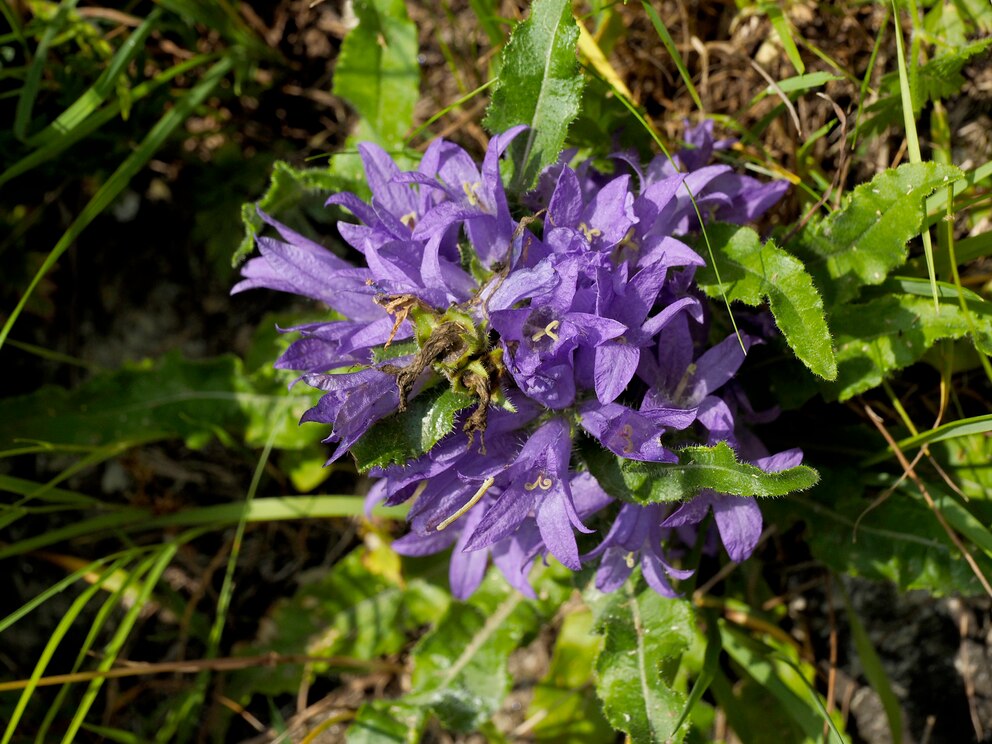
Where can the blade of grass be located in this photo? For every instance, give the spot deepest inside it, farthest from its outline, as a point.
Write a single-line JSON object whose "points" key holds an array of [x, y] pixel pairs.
{"points": [[180, 719], [155, 566], [51, 356], [123, 175], [58, 634], [956, 276], [117, 595], [912, 138], [35, 490], [866, 80], [873, 668], [89, 101], [937, 201], [275, 509], [111, 734], [50, 149], [77, 529], [50, 592], [25, 103], [784, 30], [17, 32], [666, 39], [262, 510], [960, 428], [797, 84], [962, 520], [974, 247]]}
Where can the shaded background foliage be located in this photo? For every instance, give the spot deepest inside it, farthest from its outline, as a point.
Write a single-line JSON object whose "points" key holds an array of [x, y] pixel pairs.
{"points": [[164, 396]]}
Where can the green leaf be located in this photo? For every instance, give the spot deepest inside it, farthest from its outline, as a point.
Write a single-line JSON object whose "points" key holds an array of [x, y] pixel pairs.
{"points": [[348, 611], [961, 428], [673, 52], [460, 666], [797, 84], [777, 675], [564, 702], [865, 239], [716, 468], [897, 540], [377, 70], [644, 635], [876, 338], [753, 272], [406, 435], [150, 401], [294, 195], [539, 85], [32, 83], [385, 722]]}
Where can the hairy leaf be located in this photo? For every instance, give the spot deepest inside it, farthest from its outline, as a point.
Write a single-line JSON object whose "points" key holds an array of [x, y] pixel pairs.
{"points": [[753, 272], [539, 85], [865, 239], [406, 435], [716, 468], [377, 70], [878, 337], [643, 634]]}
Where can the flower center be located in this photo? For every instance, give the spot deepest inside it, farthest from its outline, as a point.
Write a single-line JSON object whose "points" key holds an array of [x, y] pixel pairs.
{"points": [[409, 220]]}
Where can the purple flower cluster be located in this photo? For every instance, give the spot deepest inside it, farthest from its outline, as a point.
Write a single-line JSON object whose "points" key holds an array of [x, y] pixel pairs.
{"points": [[594, 329]]}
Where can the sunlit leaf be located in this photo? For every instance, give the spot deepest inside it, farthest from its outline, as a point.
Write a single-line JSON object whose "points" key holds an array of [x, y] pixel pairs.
{"points": [[865, 239], [539, 85], [644, 634], [753, 271], [716, 468], [377, 70]]}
